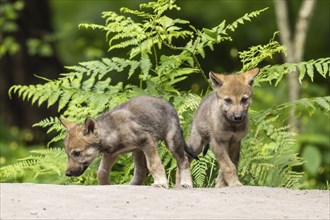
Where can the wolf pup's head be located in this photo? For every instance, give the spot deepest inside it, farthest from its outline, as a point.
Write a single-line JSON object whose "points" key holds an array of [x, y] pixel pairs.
{"points": [[81, 145], [234, 93]]}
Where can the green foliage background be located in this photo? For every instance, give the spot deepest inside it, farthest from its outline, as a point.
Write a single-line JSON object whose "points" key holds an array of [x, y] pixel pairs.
{"points": [[159, 53]]}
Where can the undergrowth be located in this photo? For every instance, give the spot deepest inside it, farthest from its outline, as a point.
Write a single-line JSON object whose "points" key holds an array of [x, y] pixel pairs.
{"points": [[87, 89]]}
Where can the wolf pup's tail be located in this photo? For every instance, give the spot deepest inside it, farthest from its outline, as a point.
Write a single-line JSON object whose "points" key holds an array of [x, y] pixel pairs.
{"points": [[190, 152]]}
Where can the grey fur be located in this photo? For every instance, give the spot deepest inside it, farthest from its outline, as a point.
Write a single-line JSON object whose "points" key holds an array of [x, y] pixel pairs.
{"points": [[221, 122], [135, 126]]}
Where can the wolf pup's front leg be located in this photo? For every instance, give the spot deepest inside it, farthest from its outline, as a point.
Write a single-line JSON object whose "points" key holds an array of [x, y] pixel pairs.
{"points": [[140, 168], [105, 166], [227, 175]]}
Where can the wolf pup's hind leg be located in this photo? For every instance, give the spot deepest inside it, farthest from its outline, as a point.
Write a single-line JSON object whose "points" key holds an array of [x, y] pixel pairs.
{"points": [[154, 164], [176, 144]]}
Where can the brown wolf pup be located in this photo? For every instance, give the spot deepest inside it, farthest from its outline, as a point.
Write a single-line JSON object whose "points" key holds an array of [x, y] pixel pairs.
{"points": [[221, 122], [134, 126]]}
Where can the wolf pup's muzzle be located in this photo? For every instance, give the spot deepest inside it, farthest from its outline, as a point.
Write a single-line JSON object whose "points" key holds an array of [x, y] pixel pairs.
{"points": [[238, 117], [76, 171]]}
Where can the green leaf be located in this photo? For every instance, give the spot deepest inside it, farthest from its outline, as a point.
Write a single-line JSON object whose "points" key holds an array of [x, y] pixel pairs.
{"points": [[64, 100], [310, 72], [313, 158], [53, 98], [165, 22], [212, 34], [145, 65]]}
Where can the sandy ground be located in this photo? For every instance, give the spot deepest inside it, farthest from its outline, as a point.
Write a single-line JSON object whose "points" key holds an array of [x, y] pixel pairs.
{"points": [[32, 201]]}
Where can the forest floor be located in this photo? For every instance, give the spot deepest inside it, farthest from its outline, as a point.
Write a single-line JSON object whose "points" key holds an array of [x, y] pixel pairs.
{"points": [[36, 201]]}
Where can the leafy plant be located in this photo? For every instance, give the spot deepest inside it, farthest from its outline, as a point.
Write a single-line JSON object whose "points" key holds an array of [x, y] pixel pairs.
{"points": [[162, 52]]}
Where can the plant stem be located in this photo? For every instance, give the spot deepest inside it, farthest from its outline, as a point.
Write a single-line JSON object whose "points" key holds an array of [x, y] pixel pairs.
{"points": [[194, 57]]}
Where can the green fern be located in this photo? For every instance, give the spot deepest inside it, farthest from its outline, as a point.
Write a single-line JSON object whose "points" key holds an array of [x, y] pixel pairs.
{"points": [[47, 166], [87, 89], [123, 170], [169, 163], [246, 17], [205, 171], [256, 54], [41, 162], [267, 157], [302, 106], [208, 37], [84, 92], [306, 68]]}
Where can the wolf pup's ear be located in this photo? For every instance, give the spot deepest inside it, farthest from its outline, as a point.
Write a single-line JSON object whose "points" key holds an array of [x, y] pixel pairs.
{"points": [[90, 126], [215, 79], [67, 124], [250, 75]]}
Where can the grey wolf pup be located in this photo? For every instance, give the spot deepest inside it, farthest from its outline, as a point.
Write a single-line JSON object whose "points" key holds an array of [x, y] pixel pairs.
{"points": [[221, 121], [134, 126]]}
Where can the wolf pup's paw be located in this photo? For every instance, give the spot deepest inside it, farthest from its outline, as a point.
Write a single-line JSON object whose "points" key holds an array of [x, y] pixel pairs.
{"points": [[160, 185], [220, 184], [238, 183], [185, 186]]}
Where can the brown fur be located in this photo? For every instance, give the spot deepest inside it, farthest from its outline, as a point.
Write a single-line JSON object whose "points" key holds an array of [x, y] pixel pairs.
{"points": [[134, 126], [221, 122]]}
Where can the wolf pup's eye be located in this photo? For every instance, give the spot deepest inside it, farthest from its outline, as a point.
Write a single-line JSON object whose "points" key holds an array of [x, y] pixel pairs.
{"points": [[228, 101], [244, 100], [76, 153]]}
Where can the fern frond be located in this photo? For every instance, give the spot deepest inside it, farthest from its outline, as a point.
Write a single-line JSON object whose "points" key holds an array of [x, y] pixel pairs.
{"points": [[123, 170], [309, 105], [160, 6], [311, 67], [204, 170], [264, 161], [47, 162], [84, 92], [267, 156], [209, 37], [256, 54], [40, 162], [92, 26], [247, 17], [53, 124], [188, 102]]}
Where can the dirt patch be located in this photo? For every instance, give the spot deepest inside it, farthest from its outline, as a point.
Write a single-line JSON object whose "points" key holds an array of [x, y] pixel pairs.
{"points": [[35, 201]]}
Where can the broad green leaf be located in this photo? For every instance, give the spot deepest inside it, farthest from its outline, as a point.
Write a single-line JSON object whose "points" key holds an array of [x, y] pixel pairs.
{"points": [[313, 158]]}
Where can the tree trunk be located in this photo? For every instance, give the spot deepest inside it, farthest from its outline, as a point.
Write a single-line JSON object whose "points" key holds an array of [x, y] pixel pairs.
{"points": [[295, 43]]}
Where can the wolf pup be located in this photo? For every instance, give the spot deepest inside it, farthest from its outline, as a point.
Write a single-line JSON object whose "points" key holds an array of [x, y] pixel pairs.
{"points": [[134, 126], [221, 122]]}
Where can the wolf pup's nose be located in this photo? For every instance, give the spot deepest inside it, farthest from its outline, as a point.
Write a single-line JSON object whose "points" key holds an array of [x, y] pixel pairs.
{"points": [[238, 118], [68, 173]]}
